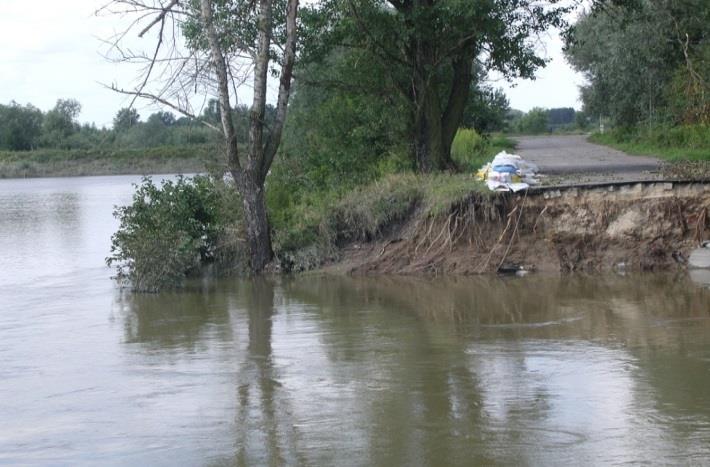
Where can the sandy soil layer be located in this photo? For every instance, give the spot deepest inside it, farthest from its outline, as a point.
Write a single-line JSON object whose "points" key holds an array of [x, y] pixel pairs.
{"points": [[639, 226]]}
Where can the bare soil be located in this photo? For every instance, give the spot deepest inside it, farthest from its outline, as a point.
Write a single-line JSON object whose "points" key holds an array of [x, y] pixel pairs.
{"points": [[638, 226]]}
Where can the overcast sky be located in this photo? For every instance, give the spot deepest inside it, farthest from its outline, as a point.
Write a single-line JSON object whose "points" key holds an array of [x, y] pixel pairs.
{"points": [[53, 50]]}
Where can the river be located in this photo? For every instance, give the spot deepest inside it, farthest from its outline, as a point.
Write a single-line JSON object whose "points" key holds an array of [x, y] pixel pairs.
{"points": [[319, 370]]}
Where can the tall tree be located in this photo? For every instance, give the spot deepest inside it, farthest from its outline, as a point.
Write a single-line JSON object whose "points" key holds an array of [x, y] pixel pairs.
{"points": [[125, 118], [644, 61], [20, 126], [429, 48], [60, 122], [223, 39]]}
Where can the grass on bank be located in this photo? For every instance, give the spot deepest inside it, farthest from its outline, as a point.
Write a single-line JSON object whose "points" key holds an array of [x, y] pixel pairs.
{"points": [[365, 213], [58, 162], [673, 144]]}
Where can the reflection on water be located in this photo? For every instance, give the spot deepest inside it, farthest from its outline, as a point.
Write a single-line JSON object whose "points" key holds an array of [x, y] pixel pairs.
{"points": [[337, 370], [455, 371]]}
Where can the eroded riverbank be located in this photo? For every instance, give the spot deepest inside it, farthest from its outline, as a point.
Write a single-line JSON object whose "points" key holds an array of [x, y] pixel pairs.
{"points": [[637, 226]]}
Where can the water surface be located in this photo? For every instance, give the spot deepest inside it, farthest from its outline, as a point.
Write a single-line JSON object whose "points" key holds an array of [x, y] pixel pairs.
{"points": [[332, 370]]}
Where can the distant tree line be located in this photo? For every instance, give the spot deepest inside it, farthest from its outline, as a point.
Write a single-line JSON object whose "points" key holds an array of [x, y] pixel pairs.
{"points": [[539, 120], [25, 128]]}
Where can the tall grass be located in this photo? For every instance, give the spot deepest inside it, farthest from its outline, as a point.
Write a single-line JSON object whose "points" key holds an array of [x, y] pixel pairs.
{"points": [[672, 143], [470, 150], [367, 212]]}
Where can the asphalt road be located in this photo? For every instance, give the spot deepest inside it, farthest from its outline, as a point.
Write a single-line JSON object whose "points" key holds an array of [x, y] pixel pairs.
{"points": [[572, 155]]}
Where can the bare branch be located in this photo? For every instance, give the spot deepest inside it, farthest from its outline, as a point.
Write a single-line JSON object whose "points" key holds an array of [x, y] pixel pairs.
{"points": [[223, 86], [165, 102], [159, 19], [289, 59], [155, 55]]}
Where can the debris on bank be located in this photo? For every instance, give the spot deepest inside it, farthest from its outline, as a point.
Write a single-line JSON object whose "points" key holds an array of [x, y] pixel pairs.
{"points": [[508, 172]]}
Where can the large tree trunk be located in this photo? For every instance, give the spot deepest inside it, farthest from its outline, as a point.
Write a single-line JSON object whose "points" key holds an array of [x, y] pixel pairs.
{"points": [[432, 151], [257, 223], [435, 125]]}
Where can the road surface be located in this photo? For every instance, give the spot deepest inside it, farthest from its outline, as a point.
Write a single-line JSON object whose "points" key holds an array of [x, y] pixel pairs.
{"points": [[572, 157]]}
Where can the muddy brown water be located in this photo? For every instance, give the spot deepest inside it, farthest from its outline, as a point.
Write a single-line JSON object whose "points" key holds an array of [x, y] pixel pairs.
{"points": [[539, 370]]}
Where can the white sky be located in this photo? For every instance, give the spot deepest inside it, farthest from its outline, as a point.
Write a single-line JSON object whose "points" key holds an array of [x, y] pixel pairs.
{"points": [[556, 85], [51, 49]]}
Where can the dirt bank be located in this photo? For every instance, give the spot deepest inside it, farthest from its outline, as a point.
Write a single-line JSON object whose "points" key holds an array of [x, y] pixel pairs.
{"points": [[641, 226]]}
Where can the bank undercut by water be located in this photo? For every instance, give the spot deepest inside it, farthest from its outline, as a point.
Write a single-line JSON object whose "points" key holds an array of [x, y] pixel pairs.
{"points": [[651, 226]]}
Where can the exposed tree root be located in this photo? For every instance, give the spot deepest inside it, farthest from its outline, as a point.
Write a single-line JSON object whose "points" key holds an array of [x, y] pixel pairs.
{"points": [[647, 227]]}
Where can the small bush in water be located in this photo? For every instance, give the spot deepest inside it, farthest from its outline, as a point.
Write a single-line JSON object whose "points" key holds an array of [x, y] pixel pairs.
{"points": [[170, 231]]}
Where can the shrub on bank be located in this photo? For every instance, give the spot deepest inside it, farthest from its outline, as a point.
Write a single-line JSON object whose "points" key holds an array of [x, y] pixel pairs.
{"points": [[470, 150], [467, 145], [173, 230]]}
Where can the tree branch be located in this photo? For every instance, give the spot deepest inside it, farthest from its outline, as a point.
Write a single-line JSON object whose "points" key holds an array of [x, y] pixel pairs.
{"points": [[160, 18], [223, 87], [258, 106], [165, 102], [289, 59]]}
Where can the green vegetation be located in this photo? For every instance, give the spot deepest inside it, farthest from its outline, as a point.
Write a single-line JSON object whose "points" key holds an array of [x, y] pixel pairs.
{"points": [[426, 58], [389, 104], [37, 144], [173, 230], [26, 128], [363, 213], [470, 150], [647, 62], [679, 143], [648, 69], [63, 162], [538, 121], [381, 93]]}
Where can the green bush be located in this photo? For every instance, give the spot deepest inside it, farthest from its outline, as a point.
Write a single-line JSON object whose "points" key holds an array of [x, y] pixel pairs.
{"points": [[467, 146], [172, 230], [470, 150]]}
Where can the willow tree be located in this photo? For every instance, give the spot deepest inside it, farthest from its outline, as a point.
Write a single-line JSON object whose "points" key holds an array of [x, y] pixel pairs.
{"points": [[431, 49], [645, 62], [210, 48]]}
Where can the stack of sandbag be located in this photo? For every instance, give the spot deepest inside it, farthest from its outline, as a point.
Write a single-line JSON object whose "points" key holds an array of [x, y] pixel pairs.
{"points": [[508, 172]]}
